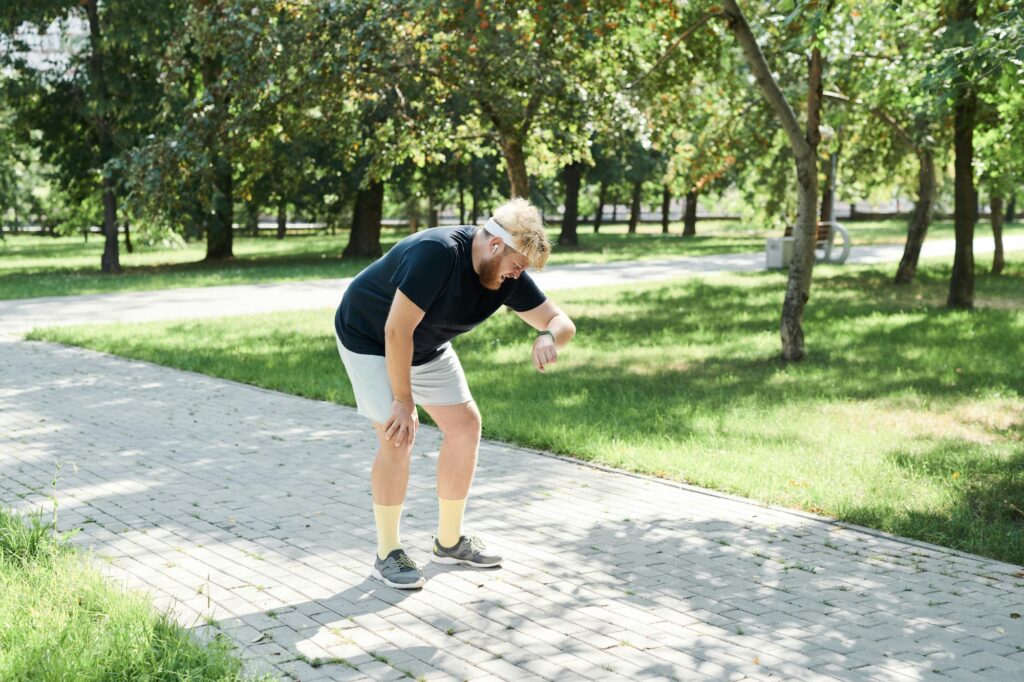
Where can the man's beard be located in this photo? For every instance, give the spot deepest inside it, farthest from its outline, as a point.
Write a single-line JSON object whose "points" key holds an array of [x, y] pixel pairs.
{"points": [[489, 275]]}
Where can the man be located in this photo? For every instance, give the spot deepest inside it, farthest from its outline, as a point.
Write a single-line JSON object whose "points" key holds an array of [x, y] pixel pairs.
{"points": [[394, 326]]}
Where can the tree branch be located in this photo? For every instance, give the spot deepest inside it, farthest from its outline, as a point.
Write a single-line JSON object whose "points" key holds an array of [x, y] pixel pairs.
{"points": [[686, 34], [531, 110], [881, 114], [737, 23]]}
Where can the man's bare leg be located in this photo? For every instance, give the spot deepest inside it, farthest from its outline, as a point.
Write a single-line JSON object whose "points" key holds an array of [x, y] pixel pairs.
{"points": [[456, 464], [389, 479]]}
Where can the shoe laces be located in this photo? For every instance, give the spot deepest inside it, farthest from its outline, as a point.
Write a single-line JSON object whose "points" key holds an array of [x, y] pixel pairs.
{"points": [[404, 561], [475, 543]]}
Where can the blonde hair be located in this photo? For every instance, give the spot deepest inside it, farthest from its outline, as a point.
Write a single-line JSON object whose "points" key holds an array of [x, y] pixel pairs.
{"points": [[521, 219]]}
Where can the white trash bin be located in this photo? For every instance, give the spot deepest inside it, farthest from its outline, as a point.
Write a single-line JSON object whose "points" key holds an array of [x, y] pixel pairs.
{"points": [[778, 253]]}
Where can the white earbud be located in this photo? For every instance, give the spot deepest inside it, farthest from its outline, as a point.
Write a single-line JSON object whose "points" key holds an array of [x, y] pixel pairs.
{"points": [[494, 250]]}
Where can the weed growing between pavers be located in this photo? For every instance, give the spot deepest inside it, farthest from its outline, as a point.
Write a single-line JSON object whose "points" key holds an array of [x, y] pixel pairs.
{"points": [[906, 416], [63, 621]]}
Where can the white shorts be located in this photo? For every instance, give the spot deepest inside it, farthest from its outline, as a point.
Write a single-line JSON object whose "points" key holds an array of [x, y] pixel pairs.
{"points": [[439, 382]]}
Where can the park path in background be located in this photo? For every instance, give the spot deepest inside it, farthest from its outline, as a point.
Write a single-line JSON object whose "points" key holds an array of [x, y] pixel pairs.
{"points": [[22, 315], [248, 512]]}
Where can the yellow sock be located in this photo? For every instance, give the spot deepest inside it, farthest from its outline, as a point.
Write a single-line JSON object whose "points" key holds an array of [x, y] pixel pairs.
{"points": [[449, 521], [387, 519]]}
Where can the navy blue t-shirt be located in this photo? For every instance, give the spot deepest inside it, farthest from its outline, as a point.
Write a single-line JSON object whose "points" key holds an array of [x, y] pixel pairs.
{"points": [[434, 268]]}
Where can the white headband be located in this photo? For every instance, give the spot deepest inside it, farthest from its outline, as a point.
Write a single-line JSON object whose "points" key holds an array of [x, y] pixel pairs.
{"points": [[497, 230]]}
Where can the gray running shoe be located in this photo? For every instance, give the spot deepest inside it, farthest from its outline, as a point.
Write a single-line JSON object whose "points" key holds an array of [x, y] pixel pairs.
{"points": [[468, 550], [398, 570]]}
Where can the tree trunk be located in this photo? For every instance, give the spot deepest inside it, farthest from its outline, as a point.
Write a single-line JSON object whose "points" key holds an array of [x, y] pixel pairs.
{"points": [[364, 241], [666, 200], [998, 262], [961, 284], [110, 261], [799, 283], [1011, 209], [804, 144], [634, 207], [828, 194], [282, 217], [798, 289], [690, 217], [219, 230], [219, 224], [602, 193], [433, 214], [515, 162], [252, 218], [921, 218], [474, 201], [462, 202], [128, 237], [570, 219]]}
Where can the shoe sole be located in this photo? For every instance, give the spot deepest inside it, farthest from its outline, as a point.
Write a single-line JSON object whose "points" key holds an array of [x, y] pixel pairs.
{"points": [[399, 586], [465, 562]]}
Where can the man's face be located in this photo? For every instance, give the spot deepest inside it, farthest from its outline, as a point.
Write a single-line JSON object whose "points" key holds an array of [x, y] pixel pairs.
{"points": [[501, 266]]}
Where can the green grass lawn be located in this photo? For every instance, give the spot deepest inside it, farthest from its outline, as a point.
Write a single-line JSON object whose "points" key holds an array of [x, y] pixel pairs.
{"points": [[905, 417], [61, 620], [41, 266], [33, 266]]}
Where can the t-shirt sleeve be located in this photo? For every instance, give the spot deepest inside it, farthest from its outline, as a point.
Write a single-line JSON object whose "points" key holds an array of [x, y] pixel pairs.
{"points": [[423, 272], [526, 295]]}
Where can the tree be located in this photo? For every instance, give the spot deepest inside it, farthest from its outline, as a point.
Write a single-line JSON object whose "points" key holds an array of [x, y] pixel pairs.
{"points": [[16, 163], [607, 172], [572, 176], [690, 99], [961, 17], [920, 141], [110, 84], [509, 67], [1000, 137], [884, 111], [804, 144], [979, 44]]}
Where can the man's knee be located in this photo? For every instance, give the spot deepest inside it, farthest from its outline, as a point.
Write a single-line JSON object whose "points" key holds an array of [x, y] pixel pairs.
{"points": [[465, 424], [395, 454], [389, 450]]}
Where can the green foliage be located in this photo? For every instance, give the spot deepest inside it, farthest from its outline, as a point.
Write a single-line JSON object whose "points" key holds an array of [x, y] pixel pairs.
{"points": [[313, 100], [999, 139]]}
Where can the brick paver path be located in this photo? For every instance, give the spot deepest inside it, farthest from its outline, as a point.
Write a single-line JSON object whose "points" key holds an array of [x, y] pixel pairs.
{"points": [[248, 512]]}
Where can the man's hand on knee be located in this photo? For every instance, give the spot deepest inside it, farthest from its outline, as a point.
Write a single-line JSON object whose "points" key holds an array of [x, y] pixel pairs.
{"points": [[400, 429]]}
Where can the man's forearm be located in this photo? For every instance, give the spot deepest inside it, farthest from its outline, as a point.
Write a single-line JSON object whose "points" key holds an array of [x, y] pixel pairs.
{"points": [[398, 355], [562, 328]]}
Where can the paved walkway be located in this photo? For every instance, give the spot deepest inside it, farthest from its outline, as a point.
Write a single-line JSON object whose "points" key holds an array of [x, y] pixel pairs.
{"points": [[20, 316], [248, 512]]}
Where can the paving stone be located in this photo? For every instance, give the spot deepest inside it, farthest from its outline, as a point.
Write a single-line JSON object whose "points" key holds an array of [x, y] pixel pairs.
{"points": [[559, 609]]}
